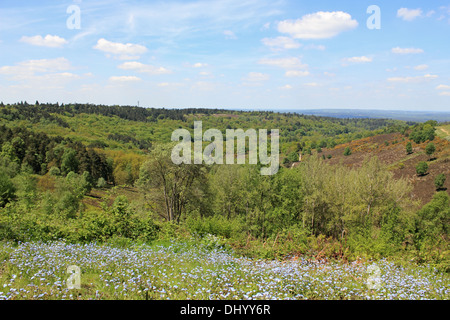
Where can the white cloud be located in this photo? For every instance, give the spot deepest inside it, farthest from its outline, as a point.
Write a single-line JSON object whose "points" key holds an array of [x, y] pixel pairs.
{"points": [[203, 86], [143, 68], [287, 87], [285, 63], [312, 84], [443, 87], [399, 50], [199, 65], [124, 79], [421, 67], [28, 69], [426, 77], [229, 34], [362, 59], [293, 66], [297, 73], [127, 51], [445, 93], [430, 13], [256, 77], [409, 14], [281, 43], [47, 41], [315, 47], [319, 25]]}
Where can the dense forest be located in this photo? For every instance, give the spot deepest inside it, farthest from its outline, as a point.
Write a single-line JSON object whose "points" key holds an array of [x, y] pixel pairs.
{"points": [[93, 173]]}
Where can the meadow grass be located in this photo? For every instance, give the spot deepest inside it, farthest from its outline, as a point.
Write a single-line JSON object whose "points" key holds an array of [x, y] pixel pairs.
{"points": [[188, 270]]}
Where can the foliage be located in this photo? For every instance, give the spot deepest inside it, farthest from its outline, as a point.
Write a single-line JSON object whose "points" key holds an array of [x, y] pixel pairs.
{"points": [[101, 183], [430, 149], [423, 132], [439, 181], [172, 187], [314, 209], [7, 189], [432, 231], [422, 168], [409, 148], [39, 151]]}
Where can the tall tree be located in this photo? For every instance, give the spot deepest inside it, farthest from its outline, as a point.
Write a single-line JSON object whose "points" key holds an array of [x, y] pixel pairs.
{"points": [[171, 187]]}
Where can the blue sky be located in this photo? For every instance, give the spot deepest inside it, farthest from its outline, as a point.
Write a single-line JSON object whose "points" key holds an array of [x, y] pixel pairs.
{"points": [[238, 54]]}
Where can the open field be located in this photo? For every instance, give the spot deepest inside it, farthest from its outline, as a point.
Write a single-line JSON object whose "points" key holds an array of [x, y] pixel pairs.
{"points": [[444, 132], [38, 271]]}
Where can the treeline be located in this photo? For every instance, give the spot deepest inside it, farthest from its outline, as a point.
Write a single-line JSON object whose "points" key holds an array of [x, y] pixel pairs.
{"points": [[23, 110], [37, 153], [292, 121], [32, 113]]}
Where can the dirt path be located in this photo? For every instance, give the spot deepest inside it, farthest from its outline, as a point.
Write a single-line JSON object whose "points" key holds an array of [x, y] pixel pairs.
{"points": [[445, 131]]}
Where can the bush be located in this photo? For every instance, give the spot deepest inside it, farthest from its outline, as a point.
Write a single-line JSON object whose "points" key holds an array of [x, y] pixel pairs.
{"points": [[430, 149], [54, 171], [101, 183], [347, 151], [7, 189], [422, 168], [216, 225], [432, 226], [409, 148], [439, 181]]}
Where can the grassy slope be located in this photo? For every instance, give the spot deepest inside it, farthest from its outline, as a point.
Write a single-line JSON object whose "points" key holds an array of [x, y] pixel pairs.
{"points": [[390, 149], [444, 132]]}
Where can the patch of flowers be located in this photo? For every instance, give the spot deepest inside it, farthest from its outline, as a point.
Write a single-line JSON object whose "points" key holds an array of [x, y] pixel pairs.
{"points": [[203, 271]]}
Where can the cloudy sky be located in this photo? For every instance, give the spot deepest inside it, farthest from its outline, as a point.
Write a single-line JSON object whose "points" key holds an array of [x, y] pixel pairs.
{"points": [[241, 54]]}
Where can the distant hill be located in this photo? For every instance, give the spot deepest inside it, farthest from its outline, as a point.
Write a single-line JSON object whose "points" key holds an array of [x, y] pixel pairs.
{"points": [[415, 116]]}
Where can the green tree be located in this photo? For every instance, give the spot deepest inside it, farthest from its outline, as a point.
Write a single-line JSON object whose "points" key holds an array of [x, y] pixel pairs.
{"points": [[171, 187], [434, 218], [430, 149], [440, 181], [7, 189], [347, 151], [101, 183], [409, 148], [422, 168], [122, 212], [54, 171], [69, 161]]}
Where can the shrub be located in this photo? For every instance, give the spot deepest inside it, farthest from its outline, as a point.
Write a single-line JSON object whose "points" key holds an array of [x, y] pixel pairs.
{"points": [[101, 183], [409, 148], [433, 218], [54, 171], [7, 189], [347, 151], [422, 168], [439, 181], [216, 225], [430, 149]]}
